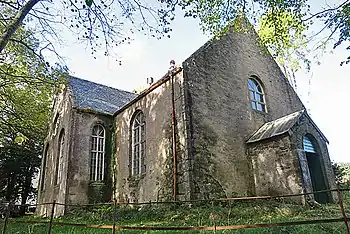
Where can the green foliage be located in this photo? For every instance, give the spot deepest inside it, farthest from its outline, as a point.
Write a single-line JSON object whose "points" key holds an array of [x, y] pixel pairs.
{"points": [[102, 25], [89, 2], [109, 23], [346, 169], [27, 84], [199, 214], [339, 21], [283, 33], [18, 165], [283, 26], [339, 172]]}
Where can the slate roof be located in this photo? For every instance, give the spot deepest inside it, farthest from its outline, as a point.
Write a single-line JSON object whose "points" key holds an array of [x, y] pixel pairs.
{"points": [[101, 98], [281, 126]]}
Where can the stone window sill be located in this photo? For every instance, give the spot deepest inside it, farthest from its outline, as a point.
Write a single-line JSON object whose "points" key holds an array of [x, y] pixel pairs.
{"points": [[260, 112], [96, 183]]}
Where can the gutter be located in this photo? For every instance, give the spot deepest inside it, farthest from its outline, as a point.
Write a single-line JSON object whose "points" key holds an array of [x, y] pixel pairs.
{"points": [[90, 111]]}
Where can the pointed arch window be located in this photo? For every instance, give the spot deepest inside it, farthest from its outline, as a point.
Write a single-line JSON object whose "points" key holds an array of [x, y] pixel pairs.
{"points": [[256, 95], [55, 124], [43, 169], [59, 159], [97, 154], [138, 144]]}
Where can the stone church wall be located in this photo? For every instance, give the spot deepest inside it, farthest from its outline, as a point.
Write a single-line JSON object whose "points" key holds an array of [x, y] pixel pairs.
{"points": [[80, 189], [74, 186], [275, 167], [156, 183], [221, 117], [306, 127], [61, 121]]}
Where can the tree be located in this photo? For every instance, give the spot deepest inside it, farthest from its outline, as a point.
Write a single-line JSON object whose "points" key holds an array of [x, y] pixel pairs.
{"points": [[27, 84], [98, 23], [19, 165], [339, 172], [283, 25], [294, 34]]}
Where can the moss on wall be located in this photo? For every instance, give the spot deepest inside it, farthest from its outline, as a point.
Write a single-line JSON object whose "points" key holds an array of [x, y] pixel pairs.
{"points": [[205, 168], [166, 181], [96, 192]]}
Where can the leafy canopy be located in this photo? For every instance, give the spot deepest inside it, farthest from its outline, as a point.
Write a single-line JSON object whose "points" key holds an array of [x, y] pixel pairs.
{"points": [[27, 84], [285, 26]]}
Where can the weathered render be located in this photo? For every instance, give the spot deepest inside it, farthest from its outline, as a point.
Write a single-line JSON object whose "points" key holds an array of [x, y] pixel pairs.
{"points": [[279, 161], [49, 190], [76, 110], [222, 118], [240, 129], [156, 183]]}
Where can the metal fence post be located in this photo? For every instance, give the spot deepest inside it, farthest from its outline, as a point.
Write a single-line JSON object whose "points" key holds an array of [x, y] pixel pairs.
{"points": [[114, 215], [51, 216], [340, 198], [6, 218]]}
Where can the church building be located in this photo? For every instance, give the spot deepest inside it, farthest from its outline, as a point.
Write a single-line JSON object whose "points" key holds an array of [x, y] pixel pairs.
{"points": [[226, 123]]}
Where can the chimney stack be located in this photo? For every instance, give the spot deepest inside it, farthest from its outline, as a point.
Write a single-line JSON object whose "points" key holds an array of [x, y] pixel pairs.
{"points": [[150, 80], [172, 65]]}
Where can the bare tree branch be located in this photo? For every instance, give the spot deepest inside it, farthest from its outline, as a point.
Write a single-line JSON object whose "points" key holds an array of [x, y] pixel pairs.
{"points": [[326, 10], [17, 21]]}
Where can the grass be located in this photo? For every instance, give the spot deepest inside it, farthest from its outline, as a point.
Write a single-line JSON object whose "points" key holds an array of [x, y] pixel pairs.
{"points": [[219, 213]]}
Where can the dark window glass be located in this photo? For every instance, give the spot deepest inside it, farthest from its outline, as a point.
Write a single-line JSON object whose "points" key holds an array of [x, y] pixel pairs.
{"points": [[256, 95], [138, 144], [97, 154]]}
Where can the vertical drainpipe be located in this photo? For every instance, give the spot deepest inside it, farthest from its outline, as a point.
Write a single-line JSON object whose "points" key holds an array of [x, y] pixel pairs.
{"points": [[173, 122]]}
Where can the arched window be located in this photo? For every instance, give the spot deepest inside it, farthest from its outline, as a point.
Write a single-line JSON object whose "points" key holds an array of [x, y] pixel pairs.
{"points": [[43, 169], [55, 124], [256, 95], [97, 156], [138, 144], [59, 158]]}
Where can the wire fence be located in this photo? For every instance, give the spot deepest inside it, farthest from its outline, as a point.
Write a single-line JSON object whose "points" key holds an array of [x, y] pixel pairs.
{"points": [[115, 210]]}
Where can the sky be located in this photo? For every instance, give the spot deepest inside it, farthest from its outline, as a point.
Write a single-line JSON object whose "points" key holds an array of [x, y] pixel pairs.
{"points": [[324, 90]]}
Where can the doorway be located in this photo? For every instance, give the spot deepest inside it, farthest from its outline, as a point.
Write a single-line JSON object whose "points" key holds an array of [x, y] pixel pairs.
{"points": [[314, 162]]}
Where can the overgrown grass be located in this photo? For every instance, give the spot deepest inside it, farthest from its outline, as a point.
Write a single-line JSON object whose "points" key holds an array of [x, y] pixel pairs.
{"points": [[197, 214]]}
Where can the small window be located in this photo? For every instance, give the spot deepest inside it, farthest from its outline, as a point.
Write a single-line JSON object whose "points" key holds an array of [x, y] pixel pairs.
{"points": [[97, 155], [308, 145], [59, 158], [43, 169], [138, 144], [256, 95], [55, 124]]}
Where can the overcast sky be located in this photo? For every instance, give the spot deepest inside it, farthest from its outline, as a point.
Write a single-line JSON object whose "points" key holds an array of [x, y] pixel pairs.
{"points": [[146, 57]]}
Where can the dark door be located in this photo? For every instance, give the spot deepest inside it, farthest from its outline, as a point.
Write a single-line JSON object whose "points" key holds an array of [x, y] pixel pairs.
{"points": [[317, 177], [314, 161]]}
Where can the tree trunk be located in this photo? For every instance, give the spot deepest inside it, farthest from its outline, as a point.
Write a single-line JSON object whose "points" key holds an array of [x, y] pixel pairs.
{"points": [[16, 22], [25, 190], [11, 182]]}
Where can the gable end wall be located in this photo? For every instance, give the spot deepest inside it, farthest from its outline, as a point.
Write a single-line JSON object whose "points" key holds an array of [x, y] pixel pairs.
{"points": [[221, 115]]}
